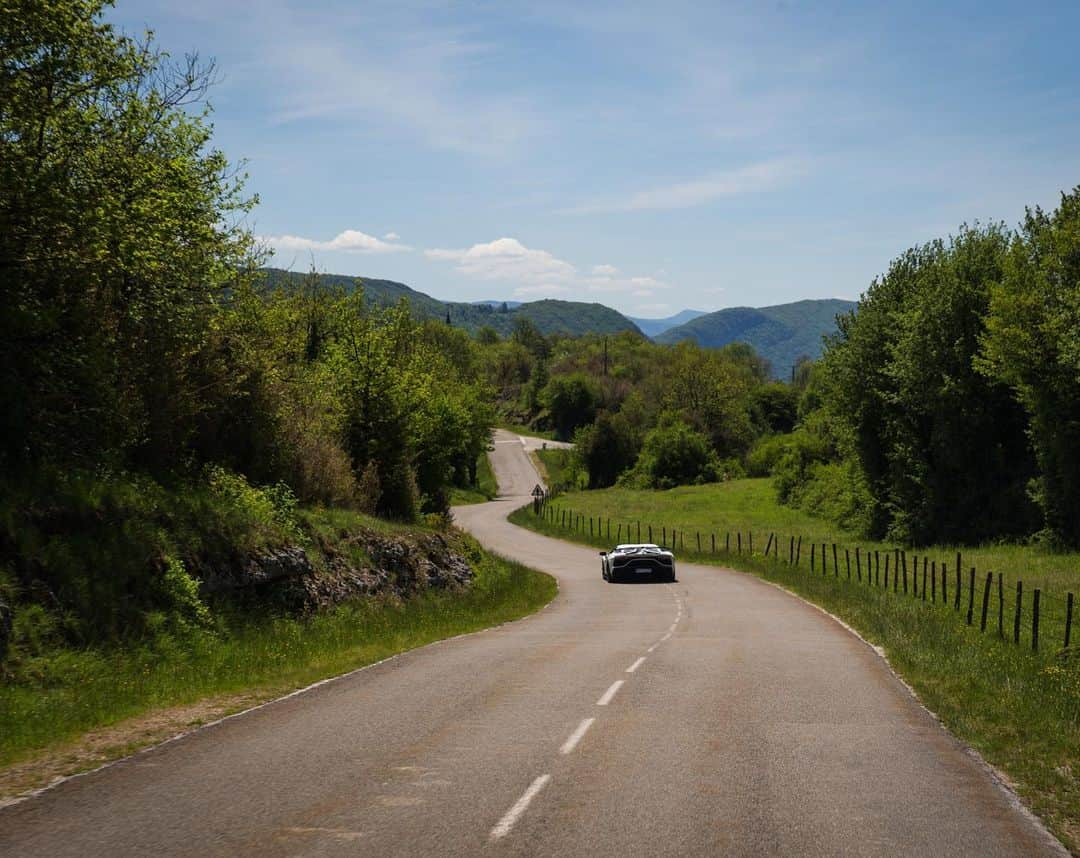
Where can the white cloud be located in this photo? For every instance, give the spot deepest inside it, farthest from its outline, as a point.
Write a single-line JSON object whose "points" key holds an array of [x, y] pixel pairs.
{"points": [[391, 236], [349, 241], [507, 259], [541, 274], [752, 178]]}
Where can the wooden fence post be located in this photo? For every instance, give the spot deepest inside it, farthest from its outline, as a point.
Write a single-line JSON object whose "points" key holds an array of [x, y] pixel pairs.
{"points": [[1068, 618], [664, 543], [1016, 613], [858, 564], [727, 542], [971, 597], [713, 536], [750, 542], [924, 579], [698, 534], [933, 581], [1035, 620], [847, 561], [650, 534], [798, 551], [986, 600], [813, 553], [638, 533], [915, 576], [791, 551], [835, 564], [886, 571], [944, 584], [877, 568], [738, 537], [768, 545], [1001, 605], [618, 536], [903, 559], [959, 587]]}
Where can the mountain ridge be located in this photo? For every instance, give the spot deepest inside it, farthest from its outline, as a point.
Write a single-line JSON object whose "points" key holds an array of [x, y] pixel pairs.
{"points": [[781, 333], [551, 316]]}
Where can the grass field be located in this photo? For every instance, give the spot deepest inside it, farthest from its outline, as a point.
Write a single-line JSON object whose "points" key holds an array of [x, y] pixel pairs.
{"points": [[553, 465], [1021, 710], [79, 690], [749, 507], [485, 489]]}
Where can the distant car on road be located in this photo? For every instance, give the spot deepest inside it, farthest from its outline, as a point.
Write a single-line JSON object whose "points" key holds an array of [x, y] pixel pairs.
{"points": [[626, 562]]}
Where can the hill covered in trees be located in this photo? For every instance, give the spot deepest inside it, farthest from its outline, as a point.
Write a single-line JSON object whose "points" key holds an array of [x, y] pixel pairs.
{"points": [[572, 318], [781, 334]]}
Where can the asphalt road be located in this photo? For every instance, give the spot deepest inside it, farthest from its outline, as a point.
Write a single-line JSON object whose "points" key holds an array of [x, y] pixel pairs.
{"points": [[715, 716]]}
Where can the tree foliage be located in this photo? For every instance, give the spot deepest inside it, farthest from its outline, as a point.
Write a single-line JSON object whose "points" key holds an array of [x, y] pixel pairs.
{"points": [[1032, 343], [942, 446]]}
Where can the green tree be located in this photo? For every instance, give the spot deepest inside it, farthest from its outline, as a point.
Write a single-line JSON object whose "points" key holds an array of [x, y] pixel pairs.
{"points": [[120, 228], [1032, 343], [674, 454], [942, 447], [572, 402], [606, 448]]}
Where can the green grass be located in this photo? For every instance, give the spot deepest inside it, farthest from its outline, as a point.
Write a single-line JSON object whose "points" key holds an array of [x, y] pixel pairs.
{"points": [[1021, 710], [554, 464], [749, 506], [486, 487], [522, 429], [69, 692]]}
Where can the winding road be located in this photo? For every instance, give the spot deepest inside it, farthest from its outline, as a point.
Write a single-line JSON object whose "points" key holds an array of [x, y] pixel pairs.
{"points": [[715, 716]]}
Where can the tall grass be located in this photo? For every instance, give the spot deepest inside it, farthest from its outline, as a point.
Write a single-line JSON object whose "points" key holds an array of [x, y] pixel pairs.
{"points": [[67, 692]]}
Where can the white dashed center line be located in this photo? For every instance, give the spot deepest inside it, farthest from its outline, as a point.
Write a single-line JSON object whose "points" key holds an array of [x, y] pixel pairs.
{"points": [[610, 693], [576, 736], [636, 665], [505, 824]]}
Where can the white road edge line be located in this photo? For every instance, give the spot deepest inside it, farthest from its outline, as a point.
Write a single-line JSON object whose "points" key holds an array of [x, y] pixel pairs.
{"points": [[636, 665], [654, 646], [611, 692], [505, 824], [576, 736]]}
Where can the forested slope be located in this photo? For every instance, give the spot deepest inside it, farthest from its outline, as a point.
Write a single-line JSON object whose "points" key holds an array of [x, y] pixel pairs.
{"points": [[781, 334], [550, 316]]}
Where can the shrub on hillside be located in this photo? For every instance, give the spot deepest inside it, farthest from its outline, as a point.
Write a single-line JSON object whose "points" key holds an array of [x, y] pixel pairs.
{"points": [[674, 454]]}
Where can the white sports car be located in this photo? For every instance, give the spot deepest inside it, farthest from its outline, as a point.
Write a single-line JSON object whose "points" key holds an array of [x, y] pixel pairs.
{"points": [[637, 561]]}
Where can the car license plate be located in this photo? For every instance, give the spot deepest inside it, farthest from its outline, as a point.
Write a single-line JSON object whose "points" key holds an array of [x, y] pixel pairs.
{"points": [[643, 570]]}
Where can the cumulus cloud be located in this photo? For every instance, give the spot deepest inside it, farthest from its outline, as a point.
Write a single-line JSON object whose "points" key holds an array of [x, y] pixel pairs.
{"points": [[391, 236], [507, 259], [349, 241], [540, 274]]}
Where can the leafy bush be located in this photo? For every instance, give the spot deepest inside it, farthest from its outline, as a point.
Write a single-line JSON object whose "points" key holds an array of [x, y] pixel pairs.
{"points": [[673, 454]]}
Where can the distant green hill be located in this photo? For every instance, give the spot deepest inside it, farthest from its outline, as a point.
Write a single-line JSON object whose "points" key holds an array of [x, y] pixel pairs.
{"points": [[781, 334], [573, 318]]}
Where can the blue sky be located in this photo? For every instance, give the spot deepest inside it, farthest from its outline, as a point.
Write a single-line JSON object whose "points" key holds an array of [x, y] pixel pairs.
{"points": [[651, 156]]}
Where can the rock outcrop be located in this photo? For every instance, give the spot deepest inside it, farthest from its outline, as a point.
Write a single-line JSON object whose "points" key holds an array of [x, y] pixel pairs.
{"points": [[396, 565]]}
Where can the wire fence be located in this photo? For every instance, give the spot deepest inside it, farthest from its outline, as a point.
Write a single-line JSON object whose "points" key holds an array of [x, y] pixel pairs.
{"points": [[1028, 617]]}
